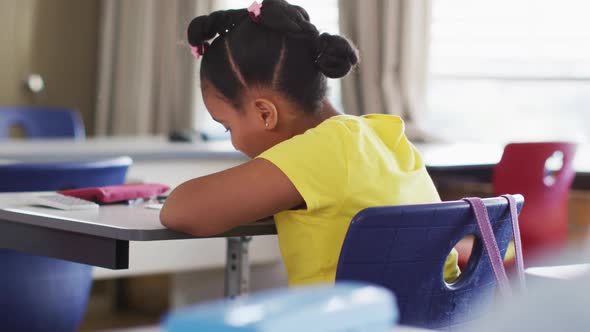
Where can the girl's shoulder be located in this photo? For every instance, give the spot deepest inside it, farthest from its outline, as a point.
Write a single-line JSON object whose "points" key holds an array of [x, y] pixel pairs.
{"points": [[362, 125], [361, 120], [344, 132]]}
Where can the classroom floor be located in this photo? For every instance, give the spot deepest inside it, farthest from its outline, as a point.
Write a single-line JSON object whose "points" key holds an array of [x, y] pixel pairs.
{"points": [[120, 320], [143, 300], [115, 304]]}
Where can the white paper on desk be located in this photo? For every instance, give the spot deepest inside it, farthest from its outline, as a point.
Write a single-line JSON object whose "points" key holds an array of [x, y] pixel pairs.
{"points": [[154, 206]]}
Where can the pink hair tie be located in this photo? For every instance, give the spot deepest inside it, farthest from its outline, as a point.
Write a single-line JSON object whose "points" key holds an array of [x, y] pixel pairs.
{"points": [[199, 50], [254, 11]]}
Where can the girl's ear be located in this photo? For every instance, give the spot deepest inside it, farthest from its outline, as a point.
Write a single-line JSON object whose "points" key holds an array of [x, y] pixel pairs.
{"points": [[267, 113]]}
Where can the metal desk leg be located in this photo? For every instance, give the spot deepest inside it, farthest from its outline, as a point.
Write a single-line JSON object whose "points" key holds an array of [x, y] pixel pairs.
{"points": [[237, 268]]}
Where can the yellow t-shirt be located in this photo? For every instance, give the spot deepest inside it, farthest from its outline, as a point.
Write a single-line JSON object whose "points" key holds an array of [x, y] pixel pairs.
{"points": [[344, 165]]}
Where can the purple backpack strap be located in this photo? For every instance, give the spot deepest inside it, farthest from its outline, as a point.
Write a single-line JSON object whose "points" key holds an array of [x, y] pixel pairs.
{"points": [[517, 243], [490, 244]]}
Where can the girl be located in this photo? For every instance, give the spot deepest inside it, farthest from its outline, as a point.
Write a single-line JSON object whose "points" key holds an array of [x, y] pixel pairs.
{"points": [[263, 77]]}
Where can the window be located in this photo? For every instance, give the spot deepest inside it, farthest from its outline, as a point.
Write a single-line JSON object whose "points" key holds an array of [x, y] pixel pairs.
{"points": [[510, 70], [324, 14]]}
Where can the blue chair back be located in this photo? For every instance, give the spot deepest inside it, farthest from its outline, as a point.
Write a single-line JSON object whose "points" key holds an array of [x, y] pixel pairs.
{"points": [[41, 122], [351, 307], [41, 293], [58, 175], [404, 248]]}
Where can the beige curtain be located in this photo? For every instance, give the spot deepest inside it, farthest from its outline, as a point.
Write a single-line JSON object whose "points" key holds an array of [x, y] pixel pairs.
{"points": [[393, 38], [146, 80]]}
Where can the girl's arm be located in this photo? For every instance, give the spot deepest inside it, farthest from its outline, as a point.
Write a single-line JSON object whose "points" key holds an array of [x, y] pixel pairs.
{"points": [[215, 203]]}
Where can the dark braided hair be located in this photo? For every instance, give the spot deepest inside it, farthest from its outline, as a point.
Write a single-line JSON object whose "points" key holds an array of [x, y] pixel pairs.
{"points": [[282, 50]]}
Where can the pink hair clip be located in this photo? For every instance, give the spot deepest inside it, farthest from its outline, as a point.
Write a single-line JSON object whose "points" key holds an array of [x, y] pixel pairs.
{"points": [[254, 11], [198, 51]]}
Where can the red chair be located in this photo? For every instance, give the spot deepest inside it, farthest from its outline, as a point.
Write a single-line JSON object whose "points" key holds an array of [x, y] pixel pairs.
{"points": [[543, 173]]}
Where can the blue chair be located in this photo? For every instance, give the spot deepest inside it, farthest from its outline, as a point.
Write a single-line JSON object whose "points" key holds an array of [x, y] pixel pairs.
{"points": [[41, 122], [351, 307], [404, 248], [40, 293], [52, 176]]}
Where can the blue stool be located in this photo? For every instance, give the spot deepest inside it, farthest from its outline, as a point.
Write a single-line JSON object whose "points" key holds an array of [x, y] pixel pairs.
{"points": [[350, 307], [404, 249], [40, 293], [58, 175], [42, 122]]}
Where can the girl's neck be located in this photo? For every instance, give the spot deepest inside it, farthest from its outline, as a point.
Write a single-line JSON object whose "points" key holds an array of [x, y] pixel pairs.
{"points": [[307, 121]]}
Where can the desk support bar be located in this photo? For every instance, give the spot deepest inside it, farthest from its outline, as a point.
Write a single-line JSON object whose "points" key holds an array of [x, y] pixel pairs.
{"points": [[91, 250], [237, 268]]}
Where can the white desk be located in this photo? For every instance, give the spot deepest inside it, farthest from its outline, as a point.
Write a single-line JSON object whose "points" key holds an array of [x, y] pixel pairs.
{"points": [[476, 161], [458, 155], [148, 148], [159, 148], [101, 237], [155, 159]]}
